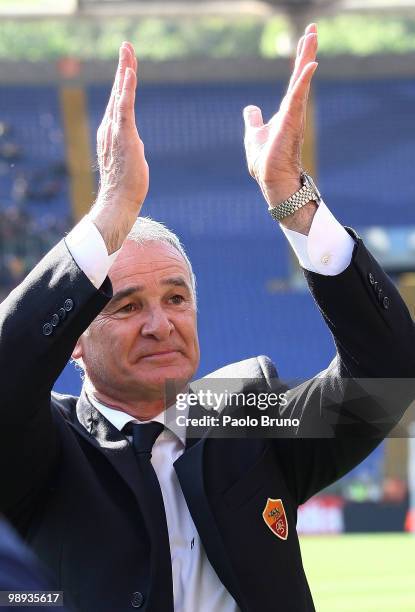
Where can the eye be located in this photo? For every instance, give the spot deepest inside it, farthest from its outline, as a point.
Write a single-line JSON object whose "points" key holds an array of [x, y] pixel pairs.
{"points": [[127, 308], [177, 299]]}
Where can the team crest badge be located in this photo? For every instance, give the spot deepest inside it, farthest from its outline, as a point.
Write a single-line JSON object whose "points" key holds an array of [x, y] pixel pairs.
{"points": [[275, 518]]}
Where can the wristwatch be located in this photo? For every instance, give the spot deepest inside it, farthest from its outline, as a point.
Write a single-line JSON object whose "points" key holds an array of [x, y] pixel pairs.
{"points": [[307, 193]]}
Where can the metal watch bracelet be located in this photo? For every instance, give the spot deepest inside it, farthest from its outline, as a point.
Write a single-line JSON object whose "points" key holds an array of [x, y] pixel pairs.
{"points": [[300, 198]]}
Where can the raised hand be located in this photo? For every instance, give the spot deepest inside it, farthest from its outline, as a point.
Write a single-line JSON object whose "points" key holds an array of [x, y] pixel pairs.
{"points": [[273, 149], [124, 174]]}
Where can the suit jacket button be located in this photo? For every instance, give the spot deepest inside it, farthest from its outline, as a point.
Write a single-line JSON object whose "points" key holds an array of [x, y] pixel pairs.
{"points": [[68, 305], [380, 293], [375, 285], [61, 313], [47, 329], [386, 302], [55, 320], [371, 278], [137, 599]]}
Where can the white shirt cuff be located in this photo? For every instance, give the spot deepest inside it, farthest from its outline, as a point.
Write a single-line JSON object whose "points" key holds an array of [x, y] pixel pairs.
{"points": [[87, 247], [327, 249]]}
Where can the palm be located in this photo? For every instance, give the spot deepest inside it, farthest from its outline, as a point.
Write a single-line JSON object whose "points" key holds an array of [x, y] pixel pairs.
{"points": [[272, 154]]}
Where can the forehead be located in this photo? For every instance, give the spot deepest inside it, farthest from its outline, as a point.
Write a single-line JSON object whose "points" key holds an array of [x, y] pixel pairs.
{"points": [[147, 263]]}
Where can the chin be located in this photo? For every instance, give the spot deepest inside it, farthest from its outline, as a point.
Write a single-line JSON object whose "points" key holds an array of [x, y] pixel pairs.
{"points": [[158, 378]]}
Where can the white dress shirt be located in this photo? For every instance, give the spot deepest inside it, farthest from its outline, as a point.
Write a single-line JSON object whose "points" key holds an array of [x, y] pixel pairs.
{"points": [[326, 250]]}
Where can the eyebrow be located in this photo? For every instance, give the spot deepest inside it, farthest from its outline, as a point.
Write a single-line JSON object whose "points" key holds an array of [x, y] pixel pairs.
{"points": [[174, 281]]}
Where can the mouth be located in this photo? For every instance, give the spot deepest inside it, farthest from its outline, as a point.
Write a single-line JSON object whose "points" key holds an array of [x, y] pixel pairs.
{"points": [[161, 355]]}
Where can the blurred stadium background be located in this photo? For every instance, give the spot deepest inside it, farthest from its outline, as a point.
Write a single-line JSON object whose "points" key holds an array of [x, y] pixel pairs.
{"points": [[202, 63]]}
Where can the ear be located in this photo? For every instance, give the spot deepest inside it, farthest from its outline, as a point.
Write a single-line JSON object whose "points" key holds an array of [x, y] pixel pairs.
{"points": [[77, 353]]}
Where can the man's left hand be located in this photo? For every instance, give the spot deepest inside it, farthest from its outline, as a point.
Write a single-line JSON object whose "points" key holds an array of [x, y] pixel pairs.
{"points": [[273, 149]]}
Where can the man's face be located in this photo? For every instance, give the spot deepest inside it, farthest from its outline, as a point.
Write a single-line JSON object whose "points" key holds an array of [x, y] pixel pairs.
{"points": [[147, 333]]}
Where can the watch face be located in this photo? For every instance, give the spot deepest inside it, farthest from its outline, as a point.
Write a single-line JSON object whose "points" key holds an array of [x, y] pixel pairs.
{"points": [[310, 183]]}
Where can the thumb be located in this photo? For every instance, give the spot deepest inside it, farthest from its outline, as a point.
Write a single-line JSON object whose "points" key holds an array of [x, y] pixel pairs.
{"points": [[253, 117]]}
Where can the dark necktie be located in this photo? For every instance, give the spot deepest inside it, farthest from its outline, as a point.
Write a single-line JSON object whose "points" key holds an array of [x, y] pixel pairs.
{"points": [[144, 436], [161, 583]]}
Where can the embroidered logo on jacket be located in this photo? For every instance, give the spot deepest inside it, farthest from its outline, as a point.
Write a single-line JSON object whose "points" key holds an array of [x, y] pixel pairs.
{"points": [[275, 518]]}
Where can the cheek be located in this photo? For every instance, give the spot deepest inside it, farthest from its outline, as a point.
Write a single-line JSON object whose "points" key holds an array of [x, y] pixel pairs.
{"points": [[189, 329], [109, 339]]}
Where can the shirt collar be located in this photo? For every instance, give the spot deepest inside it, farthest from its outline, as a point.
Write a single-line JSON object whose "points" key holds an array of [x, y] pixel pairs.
{"points": [[119, 419]]}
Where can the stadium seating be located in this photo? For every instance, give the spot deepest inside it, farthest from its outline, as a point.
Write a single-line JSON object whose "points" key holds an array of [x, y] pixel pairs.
{"points": [[33, 115], [34, 193], [200, 188], [365, 150]]}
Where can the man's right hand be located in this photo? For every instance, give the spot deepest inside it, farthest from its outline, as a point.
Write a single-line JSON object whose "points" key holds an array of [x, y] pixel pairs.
{"points": [[124, 174]]}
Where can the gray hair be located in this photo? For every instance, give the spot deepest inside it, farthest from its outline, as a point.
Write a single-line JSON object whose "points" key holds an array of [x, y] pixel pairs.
{"points": [[146, 229]]}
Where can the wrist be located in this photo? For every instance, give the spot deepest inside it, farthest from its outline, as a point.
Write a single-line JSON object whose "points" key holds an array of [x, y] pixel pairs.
{"points": [[297, 211], [275, 194], [302, 219], [113, 223]]}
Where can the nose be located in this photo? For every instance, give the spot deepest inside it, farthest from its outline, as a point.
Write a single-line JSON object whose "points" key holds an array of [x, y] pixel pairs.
{"points": [[157, 324]]}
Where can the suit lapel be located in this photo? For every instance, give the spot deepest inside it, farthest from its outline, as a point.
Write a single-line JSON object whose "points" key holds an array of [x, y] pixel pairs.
{"points": [[95, 428]]}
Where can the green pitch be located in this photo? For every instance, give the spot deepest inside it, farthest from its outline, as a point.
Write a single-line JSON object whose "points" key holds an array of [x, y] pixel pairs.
{"points": [[361, 573]]}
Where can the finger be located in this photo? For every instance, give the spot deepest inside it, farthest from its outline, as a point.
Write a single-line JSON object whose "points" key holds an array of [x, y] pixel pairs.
{"points": [[307, 55], [296, 62], [126, 61], [312, 27], [134, 58], [110, 106], [122, 59], [296, 100], [126, 115], [299, 48], [252, 117], [124, 64], [133, 55], [308, 52]]}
